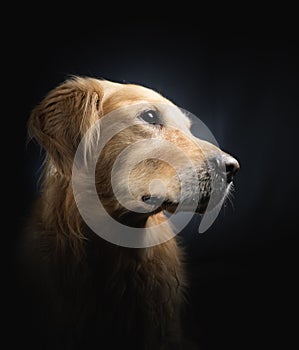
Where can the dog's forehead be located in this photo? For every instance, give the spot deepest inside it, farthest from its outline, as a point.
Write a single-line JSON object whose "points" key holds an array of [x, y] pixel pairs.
{"points": [[118, 95]]}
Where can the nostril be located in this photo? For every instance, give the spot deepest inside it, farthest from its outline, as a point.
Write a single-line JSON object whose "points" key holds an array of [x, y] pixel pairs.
{"points": [[231, 167]]}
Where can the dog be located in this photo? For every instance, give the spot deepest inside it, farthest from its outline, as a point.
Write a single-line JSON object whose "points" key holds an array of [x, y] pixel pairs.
{"points": [[87, 290]]}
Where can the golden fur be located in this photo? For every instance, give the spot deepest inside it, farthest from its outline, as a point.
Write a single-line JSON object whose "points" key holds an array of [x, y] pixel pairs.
{"points": [[92, 291]]}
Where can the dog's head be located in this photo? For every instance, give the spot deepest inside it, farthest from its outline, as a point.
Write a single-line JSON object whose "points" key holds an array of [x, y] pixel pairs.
{"points": [[161, 165]]}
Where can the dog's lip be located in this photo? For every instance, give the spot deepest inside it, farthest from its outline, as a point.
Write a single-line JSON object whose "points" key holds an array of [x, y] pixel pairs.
{"points": [[172, 206], [156, 200], [160, 203], [199, 209]]}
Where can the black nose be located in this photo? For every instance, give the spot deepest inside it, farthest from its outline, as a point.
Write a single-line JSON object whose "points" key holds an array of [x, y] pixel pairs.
{"points": [[231, 167]]}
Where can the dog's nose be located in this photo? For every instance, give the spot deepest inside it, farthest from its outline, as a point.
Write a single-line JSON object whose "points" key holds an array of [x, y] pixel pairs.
{"points": [[231, 167]]}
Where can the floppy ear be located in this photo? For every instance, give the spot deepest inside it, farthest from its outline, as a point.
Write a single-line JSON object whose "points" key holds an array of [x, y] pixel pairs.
{"points": [[62, 118]]}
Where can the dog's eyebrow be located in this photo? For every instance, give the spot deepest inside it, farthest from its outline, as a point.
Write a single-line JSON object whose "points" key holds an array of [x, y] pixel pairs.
{"points": [[144, 106], [127, 96]]}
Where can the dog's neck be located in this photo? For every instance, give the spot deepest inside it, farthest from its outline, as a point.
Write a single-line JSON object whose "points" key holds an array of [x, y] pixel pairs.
{"points": [[155, 272], [140, 236]]}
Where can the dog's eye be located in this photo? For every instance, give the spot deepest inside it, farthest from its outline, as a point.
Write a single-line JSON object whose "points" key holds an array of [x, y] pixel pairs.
{"points": [[151, 117], [97, 103]]}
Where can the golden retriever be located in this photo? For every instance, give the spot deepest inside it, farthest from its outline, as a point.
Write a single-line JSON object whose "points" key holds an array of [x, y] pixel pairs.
{"points": [[89, 291]]}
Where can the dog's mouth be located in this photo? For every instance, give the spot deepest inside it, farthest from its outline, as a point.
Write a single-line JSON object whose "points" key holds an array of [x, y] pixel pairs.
{"points": [[187, 206], [160, 203], [196, 205]]}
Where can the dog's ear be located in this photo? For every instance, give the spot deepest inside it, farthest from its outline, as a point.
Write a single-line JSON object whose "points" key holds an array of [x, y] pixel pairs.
{"points": [[63, 117]]}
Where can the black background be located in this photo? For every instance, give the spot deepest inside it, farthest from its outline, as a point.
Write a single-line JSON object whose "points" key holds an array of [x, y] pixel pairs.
{"points": [[244, 87]]}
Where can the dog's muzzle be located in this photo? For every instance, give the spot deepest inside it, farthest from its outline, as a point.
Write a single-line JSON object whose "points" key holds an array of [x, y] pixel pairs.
{"points": [[213, 185]]}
